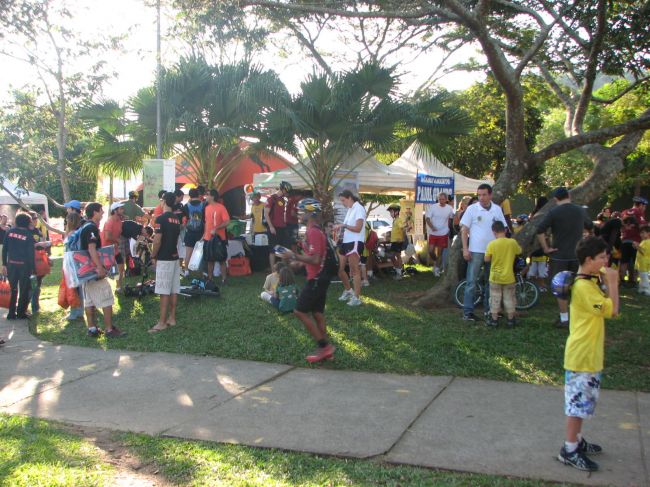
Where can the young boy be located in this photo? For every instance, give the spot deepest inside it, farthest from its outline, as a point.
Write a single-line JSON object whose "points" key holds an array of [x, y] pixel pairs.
{"points": [[585, 347], [501, 253], [643, 259]]}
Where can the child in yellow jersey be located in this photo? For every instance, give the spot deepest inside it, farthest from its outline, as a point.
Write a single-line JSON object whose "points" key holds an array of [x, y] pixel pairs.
{"points": [[643, 259], [501, 253], [585, 347]]}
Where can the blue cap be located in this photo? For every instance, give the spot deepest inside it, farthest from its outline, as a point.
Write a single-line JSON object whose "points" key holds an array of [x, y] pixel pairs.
{"points": [[73, 204]]}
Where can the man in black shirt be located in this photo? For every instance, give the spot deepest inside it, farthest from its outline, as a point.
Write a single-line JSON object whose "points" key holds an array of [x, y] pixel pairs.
{"points": [[97, 293], [567, 222], [165, 257], [18, 265]]}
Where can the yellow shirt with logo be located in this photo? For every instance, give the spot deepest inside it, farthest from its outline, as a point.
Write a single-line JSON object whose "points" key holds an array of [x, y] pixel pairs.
{"points": [[397, 232], [258, 211], [503, 252], [643, 256], [585, 347]]}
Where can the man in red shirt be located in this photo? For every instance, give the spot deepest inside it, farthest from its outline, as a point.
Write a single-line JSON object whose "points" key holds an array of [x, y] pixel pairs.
{"points": [[633, 219], [216, 221], [276, 219], [112, 234], [313, 296]]}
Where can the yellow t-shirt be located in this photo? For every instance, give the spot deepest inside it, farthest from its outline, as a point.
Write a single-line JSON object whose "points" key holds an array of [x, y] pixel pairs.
{"points": [[585, 346], [503, 252], [643, 256], [257, 212], [397, 232]]}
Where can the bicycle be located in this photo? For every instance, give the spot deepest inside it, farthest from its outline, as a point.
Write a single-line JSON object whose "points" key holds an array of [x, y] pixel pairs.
{"points": [[526, 292]]}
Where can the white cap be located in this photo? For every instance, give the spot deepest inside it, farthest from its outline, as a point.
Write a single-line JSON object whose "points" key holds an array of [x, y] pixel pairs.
{"points": [[116, 205]]}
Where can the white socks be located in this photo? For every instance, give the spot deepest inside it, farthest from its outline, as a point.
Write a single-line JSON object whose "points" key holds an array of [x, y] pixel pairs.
{"points": [[564, 316]]}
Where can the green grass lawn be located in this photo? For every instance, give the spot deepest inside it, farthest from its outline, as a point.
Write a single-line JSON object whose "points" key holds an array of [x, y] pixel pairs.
{"points": [[386, 334], [36, 452]]}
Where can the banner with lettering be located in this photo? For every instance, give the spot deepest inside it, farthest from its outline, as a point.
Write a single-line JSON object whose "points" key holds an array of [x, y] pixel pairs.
{"points": [[427, 188]]}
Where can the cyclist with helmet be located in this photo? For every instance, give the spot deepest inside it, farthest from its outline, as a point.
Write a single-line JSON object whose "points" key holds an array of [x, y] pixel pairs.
{"points": [[310, 308], [275, 216], [397, 239], [633, 219], [354, 236]]}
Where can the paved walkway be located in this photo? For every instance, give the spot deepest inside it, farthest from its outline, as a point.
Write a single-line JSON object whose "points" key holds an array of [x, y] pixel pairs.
{"points": [[451, 423]]}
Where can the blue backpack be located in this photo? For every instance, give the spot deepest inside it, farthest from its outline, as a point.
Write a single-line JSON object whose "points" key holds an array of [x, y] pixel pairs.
{"points": [[195, 220], [73, 241]]}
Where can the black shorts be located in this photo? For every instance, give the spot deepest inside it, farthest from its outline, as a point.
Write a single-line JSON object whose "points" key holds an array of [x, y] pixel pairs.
{"points": [[281, 237], [397, 247], [351, 248], [313, 296], [191, 238], [628, 253], [562, 265]]}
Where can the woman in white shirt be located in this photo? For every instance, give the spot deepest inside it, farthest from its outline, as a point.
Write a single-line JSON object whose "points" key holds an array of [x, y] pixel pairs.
{"points": [[354, 236]]}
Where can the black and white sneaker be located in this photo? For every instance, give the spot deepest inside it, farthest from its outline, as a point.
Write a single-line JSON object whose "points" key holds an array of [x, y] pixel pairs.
{"points": [[577, 459], [589, 448], [469, 317]]}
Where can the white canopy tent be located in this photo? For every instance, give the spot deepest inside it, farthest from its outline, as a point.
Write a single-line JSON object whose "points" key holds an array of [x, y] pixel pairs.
{"points": [[28, 197], [419, 160], [372, 176]]}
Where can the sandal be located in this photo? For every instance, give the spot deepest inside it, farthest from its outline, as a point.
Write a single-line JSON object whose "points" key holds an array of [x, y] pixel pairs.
{"points": [[158, 327], [169, 325]]}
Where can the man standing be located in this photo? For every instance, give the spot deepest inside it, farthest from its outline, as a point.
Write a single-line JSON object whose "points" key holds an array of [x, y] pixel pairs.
{"points": [[194, 225], [630, 235], [18, 265], [276, 219], [165, 257], [313, 296], [397, 239], [97, 293], [567, 222], [216, 221], [132, 210], [437, 219], [476, 234], [113, 236]]}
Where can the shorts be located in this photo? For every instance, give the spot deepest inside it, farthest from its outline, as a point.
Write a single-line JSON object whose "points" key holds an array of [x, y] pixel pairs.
{"points": [[313, 296], [538, 269], [507, 291], [168, 277], [440, 241], [628, 253], [556, 266], [281, 237], [397, 247], [191, 238], [581, 391], [351, 248], [292, 233], [97, 294]]}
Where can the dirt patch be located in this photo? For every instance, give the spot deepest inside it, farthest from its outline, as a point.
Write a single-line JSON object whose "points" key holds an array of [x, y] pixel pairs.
{"points": [[129, 470]]}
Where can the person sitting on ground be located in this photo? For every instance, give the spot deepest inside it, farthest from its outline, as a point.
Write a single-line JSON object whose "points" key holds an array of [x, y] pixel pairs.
{"points": [[585, 347], [501, 253], [397, 239], [643, 259], [18, 265], [284, 296], [271, 281]]}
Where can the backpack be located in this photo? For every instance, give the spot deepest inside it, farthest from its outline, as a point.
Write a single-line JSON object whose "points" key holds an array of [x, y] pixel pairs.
{"points": [[330, 266], [287, 298], [195, 220], [73, 241]]}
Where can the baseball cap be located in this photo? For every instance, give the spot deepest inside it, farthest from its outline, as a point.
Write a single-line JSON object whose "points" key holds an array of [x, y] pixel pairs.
{"points": [[640, 199], [116, 205], [76, 204]]}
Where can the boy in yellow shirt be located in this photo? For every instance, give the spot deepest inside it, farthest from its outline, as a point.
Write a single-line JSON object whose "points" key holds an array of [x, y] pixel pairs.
{"points": [[501, 253], [643, 259], [585, 347]]}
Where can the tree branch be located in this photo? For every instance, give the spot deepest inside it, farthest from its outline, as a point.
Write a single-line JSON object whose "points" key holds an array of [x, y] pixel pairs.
{"points": [[309, 46], [630, 87]]}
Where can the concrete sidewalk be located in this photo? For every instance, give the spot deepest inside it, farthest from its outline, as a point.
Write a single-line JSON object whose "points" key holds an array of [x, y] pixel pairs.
{"points": [[451, 423]]}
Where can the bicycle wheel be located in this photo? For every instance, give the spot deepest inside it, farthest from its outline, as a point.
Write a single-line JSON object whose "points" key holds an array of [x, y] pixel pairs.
{"points": [[526, 293], [459, 293]]}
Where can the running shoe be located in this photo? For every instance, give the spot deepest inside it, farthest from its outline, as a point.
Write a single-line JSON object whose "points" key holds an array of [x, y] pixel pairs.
{"points": [[436, 272], [354, 301], [115, 332], [589, 448], [491, 322], [564, 325], [577, 459], [321, 353], [346, 295], [470, 317], [511, 323], [94, 332], [365, 283]]}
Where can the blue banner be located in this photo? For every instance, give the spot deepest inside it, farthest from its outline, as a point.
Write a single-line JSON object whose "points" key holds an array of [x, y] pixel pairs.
{"points": [[427, 188]]}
